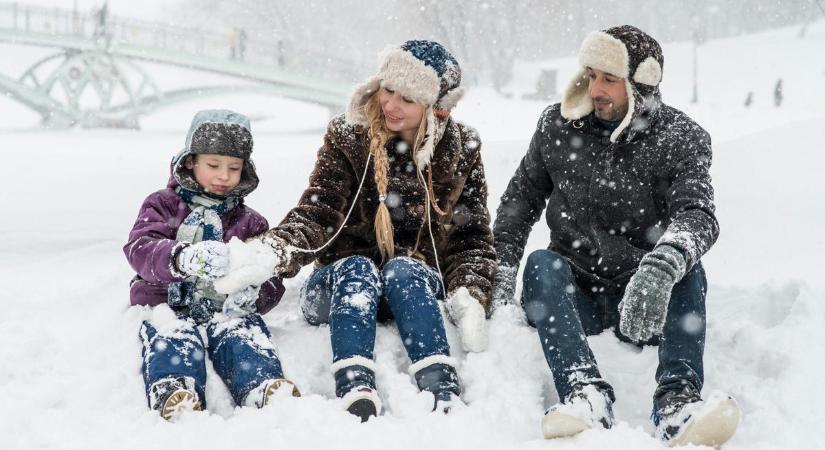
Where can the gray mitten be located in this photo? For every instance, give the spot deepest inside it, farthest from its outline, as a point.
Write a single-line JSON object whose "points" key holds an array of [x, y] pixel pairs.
{"points": [[643, 309], [505, 285], [205, 259]]}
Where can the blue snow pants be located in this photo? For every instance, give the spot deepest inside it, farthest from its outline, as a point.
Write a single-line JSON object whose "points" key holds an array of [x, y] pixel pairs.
{"points": [[564, 314], [241, 352], [352, 295]]}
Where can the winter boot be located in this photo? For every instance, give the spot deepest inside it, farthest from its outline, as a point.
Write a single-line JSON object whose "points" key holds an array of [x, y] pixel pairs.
{"points": [[265, 392], [682, 417], [172, 396], [584, 408], [355, 386], [436, 374]]}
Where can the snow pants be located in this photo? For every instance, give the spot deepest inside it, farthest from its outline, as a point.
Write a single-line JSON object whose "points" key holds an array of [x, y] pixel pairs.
{"points": [[564, 315], [241, 352]]}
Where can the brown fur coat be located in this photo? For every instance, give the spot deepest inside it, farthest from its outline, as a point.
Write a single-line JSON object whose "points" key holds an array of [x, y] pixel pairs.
{"points": [[463, 237]]}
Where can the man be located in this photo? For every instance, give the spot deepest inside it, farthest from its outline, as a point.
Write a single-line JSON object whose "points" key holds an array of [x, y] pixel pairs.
{"points": [[630, 209]]}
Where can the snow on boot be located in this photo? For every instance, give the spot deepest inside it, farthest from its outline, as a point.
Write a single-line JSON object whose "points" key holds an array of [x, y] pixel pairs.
{"points": [[265, 392], [682, 420], [363, 402], [436, 374], [584, 408], [172, 396], [355, 386], [446, 401]]}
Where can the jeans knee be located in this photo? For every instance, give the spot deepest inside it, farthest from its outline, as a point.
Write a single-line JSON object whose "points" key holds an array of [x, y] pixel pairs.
{"points": [[400, 269], [547, 278], [357, 264], [404, 272], [547, 264]]}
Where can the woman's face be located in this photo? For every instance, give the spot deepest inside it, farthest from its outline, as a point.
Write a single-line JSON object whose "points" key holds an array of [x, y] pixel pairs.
{"points": [[401, 115]]}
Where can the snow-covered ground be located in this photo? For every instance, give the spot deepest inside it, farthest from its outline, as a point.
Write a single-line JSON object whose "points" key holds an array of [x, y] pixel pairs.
{"points": [[70, 370]]}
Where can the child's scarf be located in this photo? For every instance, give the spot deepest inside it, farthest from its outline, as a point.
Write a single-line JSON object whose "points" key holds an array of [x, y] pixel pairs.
{"points": [[195, 296]]}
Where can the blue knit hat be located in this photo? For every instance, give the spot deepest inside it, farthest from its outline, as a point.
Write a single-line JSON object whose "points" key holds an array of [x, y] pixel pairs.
{"points": [[422, 71]]}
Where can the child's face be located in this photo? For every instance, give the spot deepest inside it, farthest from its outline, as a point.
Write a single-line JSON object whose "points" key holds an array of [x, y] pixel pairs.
{"points": [[217, 174]]}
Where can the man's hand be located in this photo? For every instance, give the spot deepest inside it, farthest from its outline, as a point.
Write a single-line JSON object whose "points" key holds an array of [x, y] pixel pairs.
{"points": [[643, 309]]}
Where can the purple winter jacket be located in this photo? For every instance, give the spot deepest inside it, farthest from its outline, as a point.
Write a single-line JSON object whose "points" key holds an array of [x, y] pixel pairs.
{"points": [[152, 246]]}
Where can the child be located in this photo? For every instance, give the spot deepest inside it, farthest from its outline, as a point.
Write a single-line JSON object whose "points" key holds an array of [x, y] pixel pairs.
{"points": [[177, 247]]}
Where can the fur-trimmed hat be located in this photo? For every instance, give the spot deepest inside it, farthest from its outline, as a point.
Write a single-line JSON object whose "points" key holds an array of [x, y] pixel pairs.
{"points": [[423, 71], [218, 132], [626, 52]]}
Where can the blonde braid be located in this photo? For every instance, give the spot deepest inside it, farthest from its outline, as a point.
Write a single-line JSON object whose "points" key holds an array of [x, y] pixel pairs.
{"points": [[379, 135]]}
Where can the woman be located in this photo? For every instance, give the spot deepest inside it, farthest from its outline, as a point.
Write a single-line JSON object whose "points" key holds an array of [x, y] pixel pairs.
{"points": [[395, 217]]}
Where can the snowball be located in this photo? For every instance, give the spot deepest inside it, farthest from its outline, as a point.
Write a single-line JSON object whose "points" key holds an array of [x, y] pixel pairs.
{"points": [[250, 264]]}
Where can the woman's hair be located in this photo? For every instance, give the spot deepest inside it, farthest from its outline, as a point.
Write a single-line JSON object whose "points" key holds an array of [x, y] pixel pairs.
{"points": [[379, 135]]}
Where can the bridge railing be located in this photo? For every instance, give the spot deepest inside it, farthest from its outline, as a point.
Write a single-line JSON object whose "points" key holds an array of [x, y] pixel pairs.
{"points": [[106, 30]]}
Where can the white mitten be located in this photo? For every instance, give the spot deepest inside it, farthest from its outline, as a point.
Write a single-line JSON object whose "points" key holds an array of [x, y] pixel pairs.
{"points": [[205, 259], [470, 318], [250, 264]]}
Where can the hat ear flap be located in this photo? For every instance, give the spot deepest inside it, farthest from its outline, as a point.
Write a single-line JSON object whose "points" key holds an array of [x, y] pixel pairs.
{"points": [[424, 154], [648, 72], [576, 102], [355, 111], [450, 99]]}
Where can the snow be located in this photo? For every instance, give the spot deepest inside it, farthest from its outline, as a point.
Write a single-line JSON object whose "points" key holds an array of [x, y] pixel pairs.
{"points": [[70, 377], [249, 264]]}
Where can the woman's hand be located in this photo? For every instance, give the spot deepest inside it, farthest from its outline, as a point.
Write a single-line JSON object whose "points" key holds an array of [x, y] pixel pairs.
{"points": [[470, 318]]}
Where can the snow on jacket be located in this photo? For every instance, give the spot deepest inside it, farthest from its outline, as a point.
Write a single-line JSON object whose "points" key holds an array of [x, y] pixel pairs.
{"points": [[463, 238], [609, 203], [152, 246]]}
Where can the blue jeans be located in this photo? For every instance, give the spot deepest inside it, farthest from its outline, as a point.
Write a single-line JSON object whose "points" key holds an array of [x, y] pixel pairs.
{"points": [[564, 314], [237, 347], [352, 295]]}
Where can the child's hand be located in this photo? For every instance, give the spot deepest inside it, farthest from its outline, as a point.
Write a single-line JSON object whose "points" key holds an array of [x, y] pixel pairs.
{"points": [[241, 303], [205, 259]]}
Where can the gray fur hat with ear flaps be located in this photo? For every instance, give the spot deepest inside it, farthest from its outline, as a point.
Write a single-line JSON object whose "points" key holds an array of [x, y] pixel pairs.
{"points": [[626, 52], [422, 71], [218, 132]]}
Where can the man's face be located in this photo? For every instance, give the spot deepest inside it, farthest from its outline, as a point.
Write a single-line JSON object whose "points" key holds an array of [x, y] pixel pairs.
{"points": [[609, 94]]}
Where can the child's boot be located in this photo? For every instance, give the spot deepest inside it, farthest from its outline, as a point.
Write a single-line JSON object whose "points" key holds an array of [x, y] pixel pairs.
{"points": [[172, 396], [266, 392]]}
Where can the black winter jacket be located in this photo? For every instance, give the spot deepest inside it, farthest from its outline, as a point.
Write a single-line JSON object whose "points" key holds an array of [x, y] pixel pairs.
{"points": [[610, 203]]}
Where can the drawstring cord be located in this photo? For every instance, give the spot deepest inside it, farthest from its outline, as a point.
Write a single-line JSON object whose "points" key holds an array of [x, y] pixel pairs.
{"points": [[431, 201], [344, 223]]}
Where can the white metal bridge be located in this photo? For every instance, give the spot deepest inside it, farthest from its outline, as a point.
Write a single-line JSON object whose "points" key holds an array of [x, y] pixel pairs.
{"points": [[94, 79]]}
